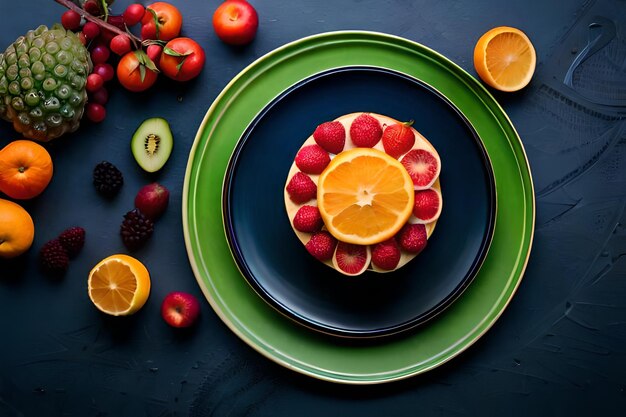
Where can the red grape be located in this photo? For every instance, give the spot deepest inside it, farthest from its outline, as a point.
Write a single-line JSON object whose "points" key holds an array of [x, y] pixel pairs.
{"points": [[94, 83], [70, 20], [100, 54], [91, 30], [92, 7], [117, 21], [95, 112], [133, 14], [106, 71], [154, 52], [101, 96], [120, 44], [106, 36]]}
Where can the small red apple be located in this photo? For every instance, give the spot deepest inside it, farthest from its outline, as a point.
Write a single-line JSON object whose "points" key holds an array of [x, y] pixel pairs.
{"points": [[180, 309], [152, 200], [236, 22]]}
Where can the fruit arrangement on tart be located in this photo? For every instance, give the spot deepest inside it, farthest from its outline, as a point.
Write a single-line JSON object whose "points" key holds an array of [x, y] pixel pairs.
{"points": [[363, 193]]}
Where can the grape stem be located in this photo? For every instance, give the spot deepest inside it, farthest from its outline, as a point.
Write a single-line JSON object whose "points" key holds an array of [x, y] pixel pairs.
{"points": [[88, 16]]}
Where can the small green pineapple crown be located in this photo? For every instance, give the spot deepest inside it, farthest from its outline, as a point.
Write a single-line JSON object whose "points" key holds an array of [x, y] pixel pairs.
{"points": [[42, 82]]}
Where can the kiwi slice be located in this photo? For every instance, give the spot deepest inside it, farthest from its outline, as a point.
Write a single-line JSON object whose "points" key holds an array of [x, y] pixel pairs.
{"points": [[152, 144]]}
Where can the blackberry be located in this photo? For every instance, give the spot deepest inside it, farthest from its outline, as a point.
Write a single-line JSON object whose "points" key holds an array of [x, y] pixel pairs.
{"points": [[73, 240], [107, 179], [136, 229], [53, 258]]}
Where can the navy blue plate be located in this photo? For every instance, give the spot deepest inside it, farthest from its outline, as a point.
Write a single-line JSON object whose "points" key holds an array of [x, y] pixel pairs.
{"points": [[274, 261]]}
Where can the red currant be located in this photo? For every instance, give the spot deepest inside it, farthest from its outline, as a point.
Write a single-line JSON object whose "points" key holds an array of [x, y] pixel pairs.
{"points": [[106, 71], [120, 44], [94, 83], [70, 20], [101, 96], [95, 112], [133, 14], [91, 30], [100, 54]]}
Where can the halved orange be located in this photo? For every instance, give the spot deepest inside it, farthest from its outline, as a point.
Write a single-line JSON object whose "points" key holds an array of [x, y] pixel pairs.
{"points": [[364, 196], [505, 58], [119, 285]]}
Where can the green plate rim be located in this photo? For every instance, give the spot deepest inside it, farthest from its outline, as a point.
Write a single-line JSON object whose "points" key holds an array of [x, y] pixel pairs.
{"points": [[523, 169]]}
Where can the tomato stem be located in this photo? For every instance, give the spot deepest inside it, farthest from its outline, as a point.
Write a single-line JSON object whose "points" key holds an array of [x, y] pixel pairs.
{"points": [[21, 169]]}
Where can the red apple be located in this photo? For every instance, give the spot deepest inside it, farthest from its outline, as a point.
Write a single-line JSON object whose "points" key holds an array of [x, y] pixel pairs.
{"points": [[180, 309], [236, 22], [152, 200]]}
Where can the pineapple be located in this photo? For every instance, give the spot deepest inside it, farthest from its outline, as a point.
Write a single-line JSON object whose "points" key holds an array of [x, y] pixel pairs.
{"points": [[42, 83]]}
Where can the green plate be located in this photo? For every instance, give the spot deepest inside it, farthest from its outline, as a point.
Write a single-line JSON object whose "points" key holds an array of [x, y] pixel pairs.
{"points": [[279, 338]]}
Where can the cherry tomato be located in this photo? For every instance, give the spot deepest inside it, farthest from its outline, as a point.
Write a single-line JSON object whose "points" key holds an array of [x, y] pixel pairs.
{"points": [[235, 22], [120, 44], [130, 73], [133, 14], [154, 52], [167, 23], [182, 59]]}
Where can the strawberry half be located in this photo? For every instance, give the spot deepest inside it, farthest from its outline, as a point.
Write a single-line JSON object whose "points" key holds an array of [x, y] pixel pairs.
{"points": [[312, 159], [351, 259], [331, 136], [386, 254], [308, 219], [423, 167], [398, 139], [301, 188], [365, 131]]}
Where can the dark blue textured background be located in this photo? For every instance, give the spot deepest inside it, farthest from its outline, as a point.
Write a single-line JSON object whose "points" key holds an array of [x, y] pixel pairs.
{"points": [[560, 347]]}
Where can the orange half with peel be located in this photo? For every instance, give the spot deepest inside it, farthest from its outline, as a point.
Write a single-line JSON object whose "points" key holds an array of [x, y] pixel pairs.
{"points": [[119, 285], [505, 58]]}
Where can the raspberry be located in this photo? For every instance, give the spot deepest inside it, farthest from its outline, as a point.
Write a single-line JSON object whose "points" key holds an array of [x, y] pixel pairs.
{"points": [[107, 179], [412, 238], [308, 219], [72, 240], [312, 159], [136, 229], [301, 188], [331, 136], [321, 245], [386, 255], [365, 131], [53, 258]]}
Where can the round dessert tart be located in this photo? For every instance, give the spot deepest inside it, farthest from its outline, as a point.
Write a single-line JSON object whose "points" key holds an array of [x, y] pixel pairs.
{"points": [[363, 193]]}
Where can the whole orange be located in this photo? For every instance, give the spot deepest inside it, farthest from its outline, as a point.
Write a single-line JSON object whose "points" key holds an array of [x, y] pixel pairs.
{"points": [[25, 169], [16, 229]]}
